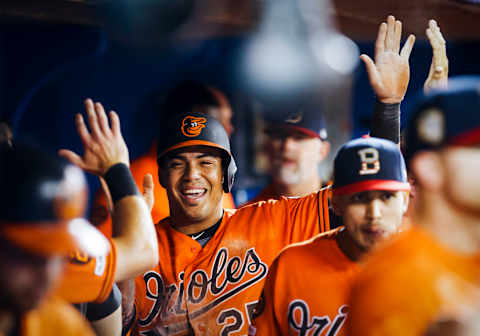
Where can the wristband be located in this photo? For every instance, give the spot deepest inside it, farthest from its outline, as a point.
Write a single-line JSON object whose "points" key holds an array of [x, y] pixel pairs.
{"points": [[120, 182], [98, 311], [386, 121]]}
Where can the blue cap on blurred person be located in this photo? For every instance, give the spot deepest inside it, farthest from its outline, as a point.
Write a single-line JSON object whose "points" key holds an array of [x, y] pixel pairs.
{"points": [[447, 117], [305, 118], [369, 164]]}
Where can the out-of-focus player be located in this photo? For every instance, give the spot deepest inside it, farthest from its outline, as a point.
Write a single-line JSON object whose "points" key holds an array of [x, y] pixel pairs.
{"points": [[296, 145], [212, 261], [185, 96], [432, 272], [437, 78], [370, 193], [134, 245], [41, 205], [88, 280]]}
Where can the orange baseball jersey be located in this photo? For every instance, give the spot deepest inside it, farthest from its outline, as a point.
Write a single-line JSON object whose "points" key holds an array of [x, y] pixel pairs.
{"points": [[143, 165], [267, 193], [213, 290], [54, 317], [88, 279], [410, 283], [306, 291]]}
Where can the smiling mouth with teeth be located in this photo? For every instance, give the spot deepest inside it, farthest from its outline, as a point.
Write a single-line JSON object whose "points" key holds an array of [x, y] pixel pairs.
{"points": [[193, 194]]}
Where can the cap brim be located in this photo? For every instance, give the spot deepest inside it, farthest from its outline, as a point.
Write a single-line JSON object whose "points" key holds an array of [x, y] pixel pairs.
{"points": [[303, 130], [191, 143], [468, 138], [61, 238], [372, 185]]}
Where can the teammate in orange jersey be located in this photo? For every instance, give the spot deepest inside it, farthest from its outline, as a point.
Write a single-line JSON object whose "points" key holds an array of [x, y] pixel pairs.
{"points": [[41, 204], [212, 261], [432, 272], [90, 278], [182, 98], [298, 143], [370, 194]]}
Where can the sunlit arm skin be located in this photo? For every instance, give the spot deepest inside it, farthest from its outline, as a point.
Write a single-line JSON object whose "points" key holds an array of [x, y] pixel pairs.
{"points": [[110, 325]]}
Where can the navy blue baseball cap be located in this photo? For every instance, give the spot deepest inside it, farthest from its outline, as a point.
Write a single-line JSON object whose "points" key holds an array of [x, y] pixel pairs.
{"points": [[448, 117], [305, 118], [369, 164]]}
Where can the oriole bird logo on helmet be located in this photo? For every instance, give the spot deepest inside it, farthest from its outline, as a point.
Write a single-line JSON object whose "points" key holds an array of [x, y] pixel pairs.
{"points": [[192, 126]]}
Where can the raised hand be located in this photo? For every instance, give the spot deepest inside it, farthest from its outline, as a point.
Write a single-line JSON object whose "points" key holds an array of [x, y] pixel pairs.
{"points": [[148, 190], [390, 73], [438, 74], [103, 145]]}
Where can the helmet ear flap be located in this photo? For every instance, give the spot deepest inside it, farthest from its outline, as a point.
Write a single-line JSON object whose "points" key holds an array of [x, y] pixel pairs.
{"points": [[229, 174]]}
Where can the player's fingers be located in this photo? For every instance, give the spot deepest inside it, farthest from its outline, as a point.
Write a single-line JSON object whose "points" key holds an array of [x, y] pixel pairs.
{"points": [[147, 183], [380, 43], [92, 119], [115, 123], [72, 157], [390, 37], [438, 34], [398, 37], [435, 30], [434, 43], [408, 46], [148, 190], [371, 69], [430, 36], [82, 130], [102, 118], [89, 105], [438, 72]]}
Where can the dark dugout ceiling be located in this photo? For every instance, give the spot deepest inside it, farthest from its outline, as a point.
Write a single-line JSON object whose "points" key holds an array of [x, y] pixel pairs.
{"points": [[358, 19]]}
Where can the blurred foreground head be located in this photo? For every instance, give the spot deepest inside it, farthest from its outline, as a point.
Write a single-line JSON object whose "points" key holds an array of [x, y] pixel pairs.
{"points": [[42, 204], [442, 143]]}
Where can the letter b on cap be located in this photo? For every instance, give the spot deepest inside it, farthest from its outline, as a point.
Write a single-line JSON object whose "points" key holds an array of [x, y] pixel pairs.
{"points": [[369, 159]]}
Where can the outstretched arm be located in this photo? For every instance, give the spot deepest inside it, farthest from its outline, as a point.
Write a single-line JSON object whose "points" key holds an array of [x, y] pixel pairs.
{"points": [[106, 155], [389, 75], [438, 74]]}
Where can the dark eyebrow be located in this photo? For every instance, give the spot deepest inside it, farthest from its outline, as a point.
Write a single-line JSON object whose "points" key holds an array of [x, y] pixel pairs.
{"points": [[207, 155], [201, 156]]}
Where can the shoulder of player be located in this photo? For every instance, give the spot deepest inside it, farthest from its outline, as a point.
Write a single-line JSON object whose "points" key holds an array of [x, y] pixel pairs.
{"points": [[56, 314], [312, 247], [404, 254], [164, 227], [285, 201], [265, 194]]}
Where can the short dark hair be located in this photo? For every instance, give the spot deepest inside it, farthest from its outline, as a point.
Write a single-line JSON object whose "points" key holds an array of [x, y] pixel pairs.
{"points": [[188, 96]]}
